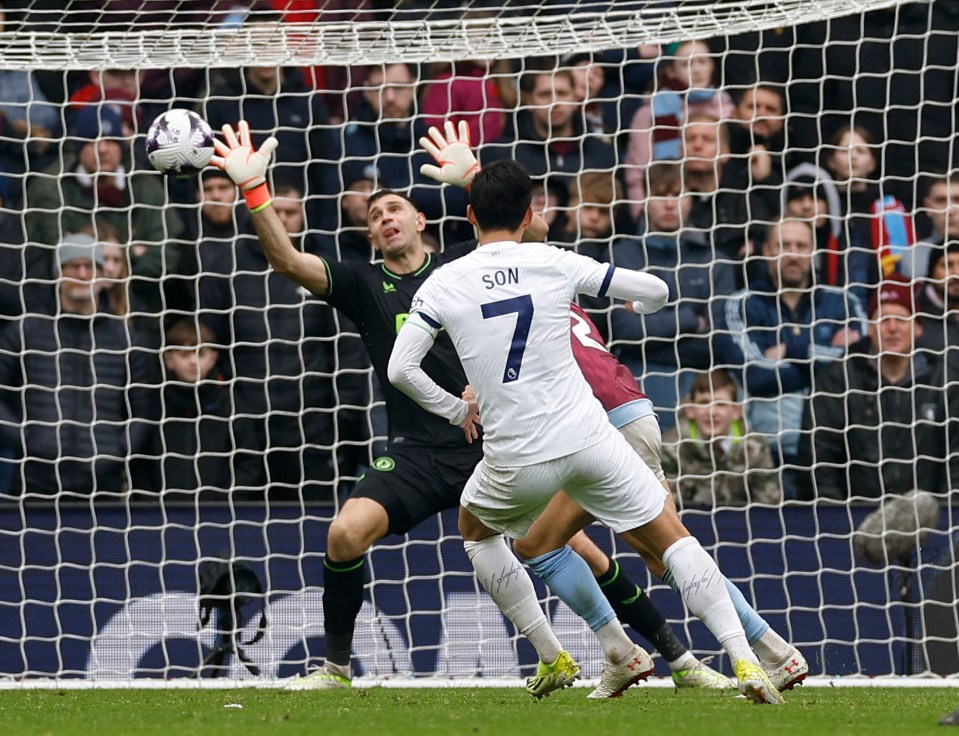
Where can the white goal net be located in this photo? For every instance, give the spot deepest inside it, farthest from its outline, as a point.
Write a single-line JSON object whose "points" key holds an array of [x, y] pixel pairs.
{"points": [[168, 402]]}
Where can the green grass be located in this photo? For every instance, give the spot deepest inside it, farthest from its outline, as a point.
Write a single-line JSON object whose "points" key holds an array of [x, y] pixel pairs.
{"points": [[492, 712]]}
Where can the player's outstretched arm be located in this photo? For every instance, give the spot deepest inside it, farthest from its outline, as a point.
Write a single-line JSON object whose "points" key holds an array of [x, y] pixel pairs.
{"points": [[457, 166], [643, 292], [247, 168]]}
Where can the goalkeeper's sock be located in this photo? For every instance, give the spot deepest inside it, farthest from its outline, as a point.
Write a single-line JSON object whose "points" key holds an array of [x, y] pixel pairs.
{"points": [[701, 587], [342, 599], [754, 625], [634, 607], [568, 576], [509, 585]]}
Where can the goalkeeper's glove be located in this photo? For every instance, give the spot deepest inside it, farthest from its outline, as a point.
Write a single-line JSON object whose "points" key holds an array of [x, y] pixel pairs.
{"points": [[245, 165], [457, 164]]}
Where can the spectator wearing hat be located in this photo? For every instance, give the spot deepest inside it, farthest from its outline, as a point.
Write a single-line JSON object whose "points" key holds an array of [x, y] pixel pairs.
{"points": [[100, 180], [811, 194], [874, 219], [119, 87], [79, 391], [939, 303], [883, 419], [778, 331]]}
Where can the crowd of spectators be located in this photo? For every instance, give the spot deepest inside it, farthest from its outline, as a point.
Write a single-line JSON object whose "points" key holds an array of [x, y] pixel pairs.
{"points": [[147, 347]]}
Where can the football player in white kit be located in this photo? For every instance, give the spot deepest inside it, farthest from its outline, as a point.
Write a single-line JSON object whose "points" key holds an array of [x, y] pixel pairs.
{"points": [[506, 308]]}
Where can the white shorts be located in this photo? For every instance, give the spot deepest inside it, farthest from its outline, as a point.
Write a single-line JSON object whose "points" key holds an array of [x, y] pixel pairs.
{"points": [[646, 438], [608, 480]]}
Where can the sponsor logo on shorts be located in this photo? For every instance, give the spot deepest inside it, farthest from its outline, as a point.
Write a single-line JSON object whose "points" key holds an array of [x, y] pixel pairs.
{"points": [[384, 464]]}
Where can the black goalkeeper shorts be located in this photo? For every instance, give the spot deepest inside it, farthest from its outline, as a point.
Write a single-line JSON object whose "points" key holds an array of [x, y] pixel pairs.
{"points": [[415, 483]]}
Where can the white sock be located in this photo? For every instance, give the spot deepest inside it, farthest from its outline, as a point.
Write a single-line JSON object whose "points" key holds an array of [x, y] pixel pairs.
{"points": [[704, 592], [685, 662], [509, 585], [616, 645], [772, 648]]}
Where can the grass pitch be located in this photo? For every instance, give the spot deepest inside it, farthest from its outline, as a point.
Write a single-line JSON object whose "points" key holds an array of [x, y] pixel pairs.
{"points": [[494, 712]]}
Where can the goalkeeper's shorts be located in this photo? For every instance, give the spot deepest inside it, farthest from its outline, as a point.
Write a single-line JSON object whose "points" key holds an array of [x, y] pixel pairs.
{"points": [[415, 483]]}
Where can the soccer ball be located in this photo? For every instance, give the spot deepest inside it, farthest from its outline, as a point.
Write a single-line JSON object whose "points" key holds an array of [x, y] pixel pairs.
{"points": [[179, 142]]}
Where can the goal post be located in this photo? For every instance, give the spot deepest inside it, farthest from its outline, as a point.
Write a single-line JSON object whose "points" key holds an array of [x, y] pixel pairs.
{"points": [[415, 34], [102, 584]]}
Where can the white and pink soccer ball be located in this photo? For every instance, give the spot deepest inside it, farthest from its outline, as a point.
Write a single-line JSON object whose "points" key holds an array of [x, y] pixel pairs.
{"points": [[179, 143]]}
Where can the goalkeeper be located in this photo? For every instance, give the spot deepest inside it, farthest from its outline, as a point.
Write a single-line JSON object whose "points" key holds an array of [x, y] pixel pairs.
{"points": [[631, 412], [428, 460]]}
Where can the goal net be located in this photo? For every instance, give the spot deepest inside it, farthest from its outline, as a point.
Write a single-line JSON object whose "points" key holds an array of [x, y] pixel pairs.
{"points": [[179, 424]]}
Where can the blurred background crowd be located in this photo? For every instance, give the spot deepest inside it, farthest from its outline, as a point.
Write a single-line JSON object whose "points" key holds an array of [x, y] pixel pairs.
{"points": [[797, 189]]}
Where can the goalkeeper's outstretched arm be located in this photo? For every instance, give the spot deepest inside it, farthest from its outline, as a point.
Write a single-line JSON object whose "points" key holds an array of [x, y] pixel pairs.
{"points": [[247, 168], [457, 166]]}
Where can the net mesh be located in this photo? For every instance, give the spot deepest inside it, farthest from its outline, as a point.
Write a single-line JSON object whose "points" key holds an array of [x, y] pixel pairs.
{"points": [[215, 410], [423, 32]]}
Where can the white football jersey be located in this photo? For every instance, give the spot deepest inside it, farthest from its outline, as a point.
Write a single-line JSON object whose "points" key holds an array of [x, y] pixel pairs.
{"points": [[506, 308]]}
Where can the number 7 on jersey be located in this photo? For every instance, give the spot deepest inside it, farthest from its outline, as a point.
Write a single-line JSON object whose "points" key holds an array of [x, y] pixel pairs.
{"points": [[522, 307]]}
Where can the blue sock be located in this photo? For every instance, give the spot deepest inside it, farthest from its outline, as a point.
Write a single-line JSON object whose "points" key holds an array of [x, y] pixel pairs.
{"points": [[753, 624], [569, 577]]}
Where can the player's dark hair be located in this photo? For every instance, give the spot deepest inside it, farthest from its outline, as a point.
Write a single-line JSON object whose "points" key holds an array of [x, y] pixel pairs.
{"points": [[380, 193], [500, 195]]}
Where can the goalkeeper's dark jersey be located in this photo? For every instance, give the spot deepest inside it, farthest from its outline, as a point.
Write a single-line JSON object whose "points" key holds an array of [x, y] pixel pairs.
{"points": [[378, 303]]}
